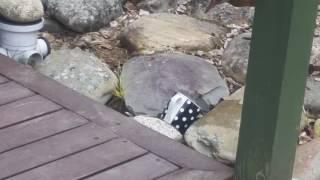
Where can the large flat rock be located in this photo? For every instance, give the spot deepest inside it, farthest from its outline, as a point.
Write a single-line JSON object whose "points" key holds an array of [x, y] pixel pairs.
{"points": [[168, 32]]}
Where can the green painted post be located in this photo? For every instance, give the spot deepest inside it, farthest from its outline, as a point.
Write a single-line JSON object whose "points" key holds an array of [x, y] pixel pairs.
{"points": [[280, 50]]}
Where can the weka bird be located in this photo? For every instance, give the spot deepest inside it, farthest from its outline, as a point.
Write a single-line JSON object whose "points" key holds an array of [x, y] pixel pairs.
{"points": [[238, 3]]}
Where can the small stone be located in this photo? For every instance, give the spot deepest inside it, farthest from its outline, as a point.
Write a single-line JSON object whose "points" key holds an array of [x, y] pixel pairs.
{"points": [[22, 11], [160, 126], [114, 24], [200, 53], [143, 12], [181, 9]]}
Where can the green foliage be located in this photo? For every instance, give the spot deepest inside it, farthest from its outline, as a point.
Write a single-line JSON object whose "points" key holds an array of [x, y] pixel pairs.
{"points": [[118, 91]]}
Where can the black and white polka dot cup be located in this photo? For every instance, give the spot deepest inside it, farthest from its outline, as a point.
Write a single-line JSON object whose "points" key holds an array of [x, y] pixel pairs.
{"points": [[181, 112]]}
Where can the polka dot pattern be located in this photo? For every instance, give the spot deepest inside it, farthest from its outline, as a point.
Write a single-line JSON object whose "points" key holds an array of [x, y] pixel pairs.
{"points": [[185, 117]]}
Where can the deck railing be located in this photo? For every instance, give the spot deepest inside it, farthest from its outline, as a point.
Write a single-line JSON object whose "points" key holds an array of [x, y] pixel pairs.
{"points": [[279, 57]]}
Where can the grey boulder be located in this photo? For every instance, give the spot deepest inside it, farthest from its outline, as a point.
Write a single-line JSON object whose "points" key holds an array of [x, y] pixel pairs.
{"points": [[21, 11], [224, 13], [80, 71], [149, 82], [235, 57], [84, 15]]}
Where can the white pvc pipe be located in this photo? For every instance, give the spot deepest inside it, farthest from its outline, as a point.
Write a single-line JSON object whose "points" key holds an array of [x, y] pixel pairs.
{"points": [[43, 47], [19, 37], [30, 57], [21, 42]]}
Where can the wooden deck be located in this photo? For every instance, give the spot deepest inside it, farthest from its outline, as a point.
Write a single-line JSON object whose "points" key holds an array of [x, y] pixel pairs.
{"points": [[48, 131]]}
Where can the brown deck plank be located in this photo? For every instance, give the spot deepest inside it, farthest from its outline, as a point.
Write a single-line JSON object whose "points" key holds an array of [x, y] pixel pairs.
{"points": [[3, 79], [25, 109], [85, 163], [52, 148], [11, 91], [189, 174], [144, 168], [38, 128]]}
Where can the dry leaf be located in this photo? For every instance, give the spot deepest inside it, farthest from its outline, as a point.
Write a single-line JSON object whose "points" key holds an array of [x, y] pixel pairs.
{"points": [[106, 46], [106, 33]]}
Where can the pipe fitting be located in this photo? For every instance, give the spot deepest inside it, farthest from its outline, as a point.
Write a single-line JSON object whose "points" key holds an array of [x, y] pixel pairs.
{"points": [[43, 47], [30, 57], [21, 42]]}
